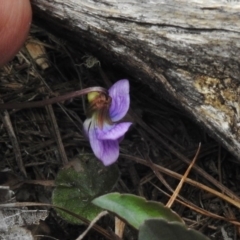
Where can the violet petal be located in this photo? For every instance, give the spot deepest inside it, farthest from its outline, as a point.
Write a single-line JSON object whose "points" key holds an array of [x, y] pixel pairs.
{"points": [[119, 93], [113, 132], [106, 151], [110, 152]]}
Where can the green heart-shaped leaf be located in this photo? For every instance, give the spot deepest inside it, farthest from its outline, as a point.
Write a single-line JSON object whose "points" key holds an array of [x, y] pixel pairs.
{"points": [[82, 180], [133, 209]]}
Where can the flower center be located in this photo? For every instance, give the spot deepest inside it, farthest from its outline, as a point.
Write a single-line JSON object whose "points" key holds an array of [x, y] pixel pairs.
{"points": [[101, 101], [99, 108]]}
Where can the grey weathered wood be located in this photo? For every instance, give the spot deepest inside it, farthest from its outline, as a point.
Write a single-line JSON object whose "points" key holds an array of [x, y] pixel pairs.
{"points": [[189, 49]]}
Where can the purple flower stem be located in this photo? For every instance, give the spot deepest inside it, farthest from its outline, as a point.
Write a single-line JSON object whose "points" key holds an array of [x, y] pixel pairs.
{"points": [[44, 102]]}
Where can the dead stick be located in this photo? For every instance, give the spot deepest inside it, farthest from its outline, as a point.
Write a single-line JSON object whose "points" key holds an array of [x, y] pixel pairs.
{"points": [[8, 125]]}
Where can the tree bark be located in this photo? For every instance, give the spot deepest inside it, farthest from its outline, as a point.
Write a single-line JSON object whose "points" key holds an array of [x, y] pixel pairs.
{"points": [[189, 50]]}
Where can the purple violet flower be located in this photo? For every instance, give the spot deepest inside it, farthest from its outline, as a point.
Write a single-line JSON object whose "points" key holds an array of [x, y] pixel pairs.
{"points": [[102, 126]]}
